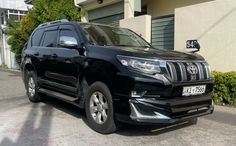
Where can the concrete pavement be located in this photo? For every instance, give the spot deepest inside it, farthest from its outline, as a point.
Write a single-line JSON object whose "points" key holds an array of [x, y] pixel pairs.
{"points": [[55, 123]]}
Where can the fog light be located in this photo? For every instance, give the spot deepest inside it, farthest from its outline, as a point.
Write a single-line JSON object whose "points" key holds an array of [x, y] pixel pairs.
{"points": [[138, 93]]}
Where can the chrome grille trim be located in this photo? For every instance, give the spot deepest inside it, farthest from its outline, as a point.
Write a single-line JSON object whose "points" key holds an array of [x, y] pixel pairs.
{"points": [[172, 71], [173, 67], [183, 71], [207, 69], [200, 69]]}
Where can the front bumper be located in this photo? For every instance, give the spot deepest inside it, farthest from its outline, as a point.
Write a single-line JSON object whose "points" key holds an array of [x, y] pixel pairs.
{"points": [[145, 111], [160, 102], [167, 111]]}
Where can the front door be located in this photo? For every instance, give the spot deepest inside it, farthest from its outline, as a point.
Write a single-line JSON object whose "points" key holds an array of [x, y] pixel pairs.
{"points": [[67, 62]]}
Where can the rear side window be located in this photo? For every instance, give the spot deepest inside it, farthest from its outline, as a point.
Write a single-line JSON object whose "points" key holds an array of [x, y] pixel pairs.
{"points": [[50, 38], [36, 38]]}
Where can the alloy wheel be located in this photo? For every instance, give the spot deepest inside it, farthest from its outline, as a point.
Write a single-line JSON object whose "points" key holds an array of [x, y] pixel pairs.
{"points": [[31, 87], [98, 107]]}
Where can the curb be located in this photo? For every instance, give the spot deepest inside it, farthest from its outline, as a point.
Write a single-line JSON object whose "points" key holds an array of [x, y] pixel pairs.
{"points": [[9, 70]]}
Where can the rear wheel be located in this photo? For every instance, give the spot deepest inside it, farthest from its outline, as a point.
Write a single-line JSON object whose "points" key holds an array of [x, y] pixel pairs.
{"points": [[99, 108], [32, 87]]}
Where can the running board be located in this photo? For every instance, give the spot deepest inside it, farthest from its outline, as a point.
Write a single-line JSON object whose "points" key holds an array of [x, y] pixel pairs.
{"points": [[57, 95]]}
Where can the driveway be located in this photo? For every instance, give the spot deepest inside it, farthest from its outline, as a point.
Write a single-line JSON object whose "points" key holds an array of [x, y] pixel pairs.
{"points": [[54, 123]]}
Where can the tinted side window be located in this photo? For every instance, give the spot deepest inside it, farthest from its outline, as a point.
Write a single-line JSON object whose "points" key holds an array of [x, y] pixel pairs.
{"points": [[36, 38], [50, 38], [67, 32]]}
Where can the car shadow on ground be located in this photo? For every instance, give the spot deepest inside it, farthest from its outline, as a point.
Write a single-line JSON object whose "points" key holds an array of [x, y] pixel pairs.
{"points": [[29, 133], [149, 130], [39, 135], [125, 129], [65, 107]]}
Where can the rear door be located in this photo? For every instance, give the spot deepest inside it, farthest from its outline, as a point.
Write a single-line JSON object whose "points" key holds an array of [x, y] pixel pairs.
{"points": [[47, 60], [36, 52]]}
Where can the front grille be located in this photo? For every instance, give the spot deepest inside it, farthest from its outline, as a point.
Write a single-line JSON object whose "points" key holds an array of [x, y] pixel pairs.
{"points": [[177, 71]]}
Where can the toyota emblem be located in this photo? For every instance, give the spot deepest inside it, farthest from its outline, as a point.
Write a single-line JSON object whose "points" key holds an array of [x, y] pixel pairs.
{"points": [[192, 69]]}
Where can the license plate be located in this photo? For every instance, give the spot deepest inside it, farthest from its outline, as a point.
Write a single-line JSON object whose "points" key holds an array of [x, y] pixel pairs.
{"points": [[194, 90]]}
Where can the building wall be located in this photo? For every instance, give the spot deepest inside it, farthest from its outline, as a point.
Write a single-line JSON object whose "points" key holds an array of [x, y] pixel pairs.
{"points": [[13, 9], [213, 24], [91, 5], [157, 8], [140, 25], [87, 5]]}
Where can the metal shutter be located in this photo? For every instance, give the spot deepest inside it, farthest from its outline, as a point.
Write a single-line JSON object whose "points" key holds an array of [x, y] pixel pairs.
{"points": [[163, 32], [110, 20], [107, 15]]}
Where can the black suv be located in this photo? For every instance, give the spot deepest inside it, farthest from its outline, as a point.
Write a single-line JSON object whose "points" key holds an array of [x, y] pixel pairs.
{"points": [[115, 75]]}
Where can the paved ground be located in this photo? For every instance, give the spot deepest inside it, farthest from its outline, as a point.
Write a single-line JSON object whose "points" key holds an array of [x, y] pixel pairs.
{"points": [[54, 123]]}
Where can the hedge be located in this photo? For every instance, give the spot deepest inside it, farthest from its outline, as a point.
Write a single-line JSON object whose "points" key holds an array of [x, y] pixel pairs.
{"points": [[224, 88]]}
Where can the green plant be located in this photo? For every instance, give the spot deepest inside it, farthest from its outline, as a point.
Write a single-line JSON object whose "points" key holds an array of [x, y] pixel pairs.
{"points": [[224, 88], [42, 11]]}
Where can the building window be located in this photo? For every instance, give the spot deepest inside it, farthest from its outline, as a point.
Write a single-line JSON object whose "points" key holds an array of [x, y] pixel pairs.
{"points": [[2, 18], [16, 15], [163, 32]]}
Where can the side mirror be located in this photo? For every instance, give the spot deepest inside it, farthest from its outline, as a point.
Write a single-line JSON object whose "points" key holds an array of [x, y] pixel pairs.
{"points": [[68, 42], [193, 44], [197, 45]]}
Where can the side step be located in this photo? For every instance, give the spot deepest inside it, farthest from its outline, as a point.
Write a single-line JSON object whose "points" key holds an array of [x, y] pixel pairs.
{"points": [[57, 95]]}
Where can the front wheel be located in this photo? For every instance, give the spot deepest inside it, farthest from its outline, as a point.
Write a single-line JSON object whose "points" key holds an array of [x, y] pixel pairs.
{"points": [[99, 108]]}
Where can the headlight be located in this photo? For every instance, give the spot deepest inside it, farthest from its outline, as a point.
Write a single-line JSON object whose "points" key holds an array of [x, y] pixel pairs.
{"points": [[141, 64]]}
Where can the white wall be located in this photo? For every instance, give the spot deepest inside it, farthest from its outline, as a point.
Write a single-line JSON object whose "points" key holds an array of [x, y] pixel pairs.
{"points": [[214, 25], [140, 25], [7, 52], [87, 5], [0, 58], [157, 8]]}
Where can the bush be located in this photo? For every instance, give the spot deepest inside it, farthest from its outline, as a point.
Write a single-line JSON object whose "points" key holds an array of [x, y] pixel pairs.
{"points": [[224, 89]]}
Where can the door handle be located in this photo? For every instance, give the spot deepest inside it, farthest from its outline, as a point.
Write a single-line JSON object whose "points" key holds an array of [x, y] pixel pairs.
{"points": [[67, 60], [54, 55], [36, 54]]}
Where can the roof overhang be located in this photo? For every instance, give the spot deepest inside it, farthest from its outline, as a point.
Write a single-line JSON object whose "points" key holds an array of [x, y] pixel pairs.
{"points": [[13, 5], [93, 4], [28, 2]]}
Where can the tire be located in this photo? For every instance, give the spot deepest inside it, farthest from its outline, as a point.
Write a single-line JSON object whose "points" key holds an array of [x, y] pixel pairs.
{"points": [[32, 87], [97, 108]]}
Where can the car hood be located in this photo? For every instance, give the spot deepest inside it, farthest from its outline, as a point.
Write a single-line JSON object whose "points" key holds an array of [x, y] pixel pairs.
{"points": [[159, 53]]}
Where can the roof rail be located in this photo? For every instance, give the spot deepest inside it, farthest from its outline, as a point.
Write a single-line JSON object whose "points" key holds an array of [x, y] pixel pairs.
{"points": [[53, 22]]}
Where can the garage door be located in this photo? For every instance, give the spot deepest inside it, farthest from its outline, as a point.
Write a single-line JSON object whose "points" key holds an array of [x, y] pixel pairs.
{"points": [[108, 15], [163, 32]]}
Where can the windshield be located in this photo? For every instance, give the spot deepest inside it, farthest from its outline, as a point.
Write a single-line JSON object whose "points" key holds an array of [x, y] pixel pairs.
{"points": [[112, 36]]}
